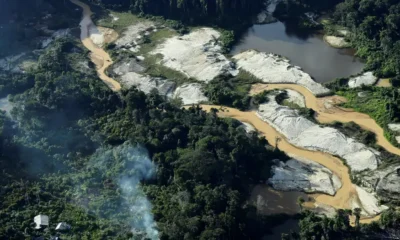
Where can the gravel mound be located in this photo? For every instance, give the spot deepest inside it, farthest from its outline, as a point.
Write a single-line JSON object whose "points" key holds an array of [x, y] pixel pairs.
{"points": [[368, 203], [366, 79], [190, 94], [131, 65], [197, 55], [386, 182], [147, 83], [295, 97], [303, 175], [271, 68], [394, 127], [389, 185], [336, 42], [133, 35], [304, 133]]}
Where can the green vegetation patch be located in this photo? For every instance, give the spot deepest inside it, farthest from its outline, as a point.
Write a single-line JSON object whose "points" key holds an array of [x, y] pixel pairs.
{"points": [[352, 130], [118, 20], [231, 91], [155, 39], [313, 226], [155, 69], [376, 35], [381, 104], [282, 99]]}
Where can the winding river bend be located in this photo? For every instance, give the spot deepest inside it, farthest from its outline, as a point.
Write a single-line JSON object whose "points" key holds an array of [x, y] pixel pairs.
{"points": [[344, 195], [327, 112], [99, 57]]}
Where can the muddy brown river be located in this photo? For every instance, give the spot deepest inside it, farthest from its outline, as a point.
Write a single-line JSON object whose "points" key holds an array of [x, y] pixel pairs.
{"points": [[344, 196], [325, 108], [327, 112], [99, 57]]}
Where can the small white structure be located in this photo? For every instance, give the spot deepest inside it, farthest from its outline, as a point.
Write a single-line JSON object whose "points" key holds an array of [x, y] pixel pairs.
{"points": [[41, 221], [62, 226]]}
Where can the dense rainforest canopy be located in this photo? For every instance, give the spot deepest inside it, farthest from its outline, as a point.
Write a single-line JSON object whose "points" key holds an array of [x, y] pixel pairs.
{"points": [[375, 27], [69, 121], [70, 139], [225, 12]]}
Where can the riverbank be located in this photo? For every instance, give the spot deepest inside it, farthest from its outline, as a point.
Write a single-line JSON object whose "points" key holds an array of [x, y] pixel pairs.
{"points": [[345, 197], [327, 112], [99, 57]]}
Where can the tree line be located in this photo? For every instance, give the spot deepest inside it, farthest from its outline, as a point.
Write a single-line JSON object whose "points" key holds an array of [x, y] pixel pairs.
{"points": [[223, 12], [375, 32]]}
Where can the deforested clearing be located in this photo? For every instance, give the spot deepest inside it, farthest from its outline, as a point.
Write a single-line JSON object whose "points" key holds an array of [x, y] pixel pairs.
{"points": [[306, 134], [271, 68], [133, 35], [366, 79], [146, 83], [296, 98], [197, 55], [303, 175], [190, 94]]}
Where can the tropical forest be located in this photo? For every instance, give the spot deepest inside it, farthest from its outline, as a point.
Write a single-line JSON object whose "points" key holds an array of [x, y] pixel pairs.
{"points": [[199, 119]]}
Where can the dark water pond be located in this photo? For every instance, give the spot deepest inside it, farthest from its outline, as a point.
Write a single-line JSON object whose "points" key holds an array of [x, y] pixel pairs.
{"points": [[309, 51]]}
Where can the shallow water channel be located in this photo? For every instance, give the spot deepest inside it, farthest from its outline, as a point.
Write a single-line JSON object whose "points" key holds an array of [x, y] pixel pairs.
{"points": [[307, 50]]}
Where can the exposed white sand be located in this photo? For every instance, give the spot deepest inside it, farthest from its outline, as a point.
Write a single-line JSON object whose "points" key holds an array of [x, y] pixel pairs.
{"points": [[271, 68], [394, 127], [366, 79], [132, 36], [384, 181], [248, 127], [368, 203], [303, 175], [96, 36], [336, 42], [197, 55], [147, 83], [344, 32], [303, 133], [296, 98], [190, 93]]}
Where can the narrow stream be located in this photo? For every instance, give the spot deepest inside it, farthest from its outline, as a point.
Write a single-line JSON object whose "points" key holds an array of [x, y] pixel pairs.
{"points": [[99, 57]]}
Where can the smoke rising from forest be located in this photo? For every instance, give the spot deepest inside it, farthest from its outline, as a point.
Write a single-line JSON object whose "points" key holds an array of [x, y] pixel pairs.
{"points": [[130, 165]]}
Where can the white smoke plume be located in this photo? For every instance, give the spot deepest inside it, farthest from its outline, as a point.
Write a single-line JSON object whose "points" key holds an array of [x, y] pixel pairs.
{"points": [[133, 165]]}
